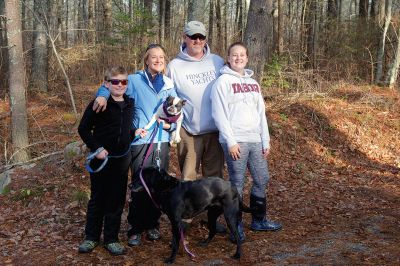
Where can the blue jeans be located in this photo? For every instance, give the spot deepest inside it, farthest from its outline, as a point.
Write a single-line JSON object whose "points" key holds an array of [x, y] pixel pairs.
{"points": [[250, 157]]}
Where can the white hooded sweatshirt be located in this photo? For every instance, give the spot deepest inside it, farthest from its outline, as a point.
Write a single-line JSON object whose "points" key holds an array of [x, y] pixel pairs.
{"points": [[238, 108], [193, 79]]}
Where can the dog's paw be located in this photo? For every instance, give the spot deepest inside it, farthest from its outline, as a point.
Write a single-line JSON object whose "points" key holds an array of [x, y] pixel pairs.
{"points": [[173, 144]]}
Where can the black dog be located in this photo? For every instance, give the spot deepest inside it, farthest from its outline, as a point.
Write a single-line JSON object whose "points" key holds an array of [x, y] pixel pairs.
{"points": [[185, 199]]}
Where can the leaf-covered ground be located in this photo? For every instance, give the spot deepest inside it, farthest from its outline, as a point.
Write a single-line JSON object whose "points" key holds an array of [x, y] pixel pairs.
{"points": [[335, 187]]}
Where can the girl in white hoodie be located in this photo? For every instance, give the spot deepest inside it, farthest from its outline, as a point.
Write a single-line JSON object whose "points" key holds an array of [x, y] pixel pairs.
{"points": [[239, 112]]}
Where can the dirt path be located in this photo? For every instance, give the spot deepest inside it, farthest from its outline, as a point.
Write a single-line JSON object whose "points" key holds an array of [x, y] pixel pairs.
{"points": [[335, 186]]}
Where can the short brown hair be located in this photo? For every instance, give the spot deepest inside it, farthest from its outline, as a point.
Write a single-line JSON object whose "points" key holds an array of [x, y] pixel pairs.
{"points": [[238, 44], [114, 71]]}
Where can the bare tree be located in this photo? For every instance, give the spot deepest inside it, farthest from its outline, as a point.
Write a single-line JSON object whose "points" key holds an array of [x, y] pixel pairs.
{"points": [[332, 9], [40, 63], [196, 10], [167, 22], [372, 11], [107, 6], [394, 67], [363, 8], [91, 22], [258, 34], [280, 26], [161, 21], [147, 21], [211, 24], [19, 122], [239, 19], [311, 30], [220, 40], [3, 50], [381, 49]]}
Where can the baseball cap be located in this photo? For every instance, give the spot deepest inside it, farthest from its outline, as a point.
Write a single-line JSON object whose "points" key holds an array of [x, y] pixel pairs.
{"points": [[195, 27]]}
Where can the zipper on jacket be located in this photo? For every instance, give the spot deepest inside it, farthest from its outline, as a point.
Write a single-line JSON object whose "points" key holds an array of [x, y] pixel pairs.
{"points": [[120, 125]]}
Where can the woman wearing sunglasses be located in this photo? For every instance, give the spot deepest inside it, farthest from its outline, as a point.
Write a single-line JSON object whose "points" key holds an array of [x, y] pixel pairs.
{"points": [[148, 87]]}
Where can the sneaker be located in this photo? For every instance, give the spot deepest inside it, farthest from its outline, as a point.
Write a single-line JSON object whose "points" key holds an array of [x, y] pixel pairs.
{"points": [[265, 225], [153, 234], [116, 248], [87, 246], [242, 236], [134, 240]]}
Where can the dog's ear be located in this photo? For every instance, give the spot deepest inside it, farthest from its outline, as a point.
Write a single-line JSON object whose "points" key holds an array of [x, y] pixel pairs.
{"points": [[183, 102], [170, 100]]}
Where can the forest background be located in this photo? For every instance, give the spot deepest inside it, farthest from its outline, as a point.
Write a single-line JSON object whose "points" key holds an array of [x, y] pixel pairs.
{"points": [[328, 69], [295, 46]]}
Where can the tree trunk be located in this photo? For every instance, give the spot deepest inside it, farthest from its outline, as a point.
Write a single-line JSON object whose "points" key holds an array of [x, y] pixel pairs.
{"points": [[3, 52], [211, 25], [167, 21], [161, 21], [363, 8], [372, 11], [196, 10], [238, 27], [258, 34], [220, 40], [40, 63], [147, 22], [91, 23], [225, 27], [107, 20], [19, 122], [66, 25], [311, 32], [381, 49], [332, 9], [280, 26], [394, 68], [55, 17]]}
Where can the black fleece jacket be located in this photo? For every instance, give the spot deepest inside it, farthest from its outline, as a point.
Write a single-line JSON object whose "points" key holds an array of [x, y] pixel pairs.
{"points": [[111, 129]]}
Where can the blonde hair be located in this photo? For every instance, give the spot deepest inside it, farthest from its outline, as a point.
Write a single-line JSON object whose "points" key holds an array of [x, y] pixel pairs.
{"points": [[147, 53], [112, 71]]}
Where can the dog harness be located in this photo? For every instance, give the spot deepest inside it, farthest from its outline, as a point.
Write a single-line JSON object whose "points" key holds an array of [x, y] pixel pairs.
{"points": [[170, 118]]}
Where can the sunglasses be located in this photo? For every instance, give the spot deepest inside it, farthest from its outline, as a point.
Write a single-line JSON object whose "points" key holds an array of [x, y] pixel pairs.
{"points": [[117, 81], [196, 36]]}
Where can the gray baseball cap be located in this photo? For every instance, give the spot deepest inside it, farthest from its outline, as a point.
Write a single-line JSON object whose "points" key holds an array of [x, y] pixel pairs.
{"points": [[195, 27]]}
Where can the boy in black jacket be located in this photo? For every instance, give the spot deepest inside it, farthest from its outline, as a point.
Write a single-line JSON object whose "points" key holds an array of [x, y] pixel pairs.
{"points": [[108, 133]]}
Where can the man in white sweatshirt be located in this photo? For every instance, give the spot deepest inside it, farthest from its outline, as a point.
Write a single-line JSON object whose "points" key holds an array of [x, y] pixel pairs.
{"points": [[193, 72]]}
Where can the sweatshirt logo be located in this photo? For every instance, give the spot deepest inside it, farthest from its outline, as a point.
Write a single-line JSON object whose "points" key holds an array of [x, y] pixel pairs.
{"points": [[242, 88], [201, 78]]}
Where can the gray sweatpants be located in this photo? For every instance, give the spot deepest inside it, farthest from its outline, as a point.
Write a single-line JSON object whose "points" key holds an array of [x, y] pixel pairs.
{"points": [[250, 156]]}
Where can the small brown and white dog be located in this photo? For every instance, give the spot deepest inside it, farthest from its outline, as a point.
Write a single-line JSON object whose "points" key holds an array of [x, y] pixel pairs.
{"points": [[171, 112]]}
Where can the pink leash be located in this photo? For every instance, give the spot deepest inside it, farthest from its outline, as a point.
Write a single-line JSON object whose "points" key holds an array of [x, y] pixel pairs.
{"points": [[141, 168], [192, 256], [152, 199]]}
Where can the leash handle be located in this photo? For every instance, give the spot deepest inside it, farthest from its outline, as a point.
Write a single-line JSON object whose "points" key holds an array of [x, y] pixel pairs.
{"points": [[91, 157], [158, 151]]}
